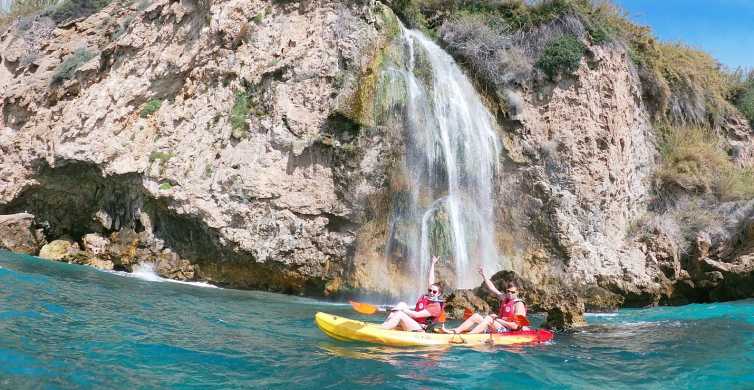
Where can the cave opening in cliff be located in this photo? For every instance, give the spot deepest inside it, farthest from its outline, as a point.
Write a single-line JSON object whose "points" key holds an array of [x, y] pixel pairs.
{"points": [[73, 199]]}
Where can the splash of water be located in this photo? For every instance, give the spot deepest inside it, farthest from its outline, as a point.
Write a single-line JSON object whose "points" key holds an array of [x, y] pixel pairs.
{"points": [[146, 271], [452, 153]]}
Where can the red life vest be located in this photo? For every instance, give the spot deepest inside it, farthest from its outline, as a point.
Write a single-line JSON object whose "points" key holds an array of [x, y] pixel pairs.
{"points": [[422, 304], [508, 309]]}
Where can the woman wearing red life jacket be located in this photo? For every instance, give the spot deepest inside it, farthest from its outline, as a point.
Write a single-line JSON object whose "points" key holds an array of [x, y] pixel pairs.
{"points": [[510, 307], [427, 309]]}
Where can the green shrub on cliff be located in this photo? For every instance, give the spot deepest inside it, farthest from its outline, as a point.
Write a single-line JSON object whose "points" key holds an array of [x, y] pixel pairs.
{"points": [[73, 9], [238, 115], [743, 93], [150, 108], [161, 156], [67, 68], [561, 56], [745, 104], [411, 13], [59, 11], [520, 15]]}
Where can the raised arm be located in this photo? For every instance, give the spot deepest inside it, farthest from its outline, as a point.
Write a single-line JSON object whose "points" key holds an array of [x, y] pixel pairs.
{"points": [[489, 284], [432, 270]]}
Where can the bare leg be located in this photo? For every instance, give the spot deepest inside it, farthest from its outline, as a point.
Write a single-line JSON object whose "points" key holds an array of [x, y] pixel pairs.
{"points": [[483, 325], [469, 323], [408, 323], [401, 320], [391, 321]]}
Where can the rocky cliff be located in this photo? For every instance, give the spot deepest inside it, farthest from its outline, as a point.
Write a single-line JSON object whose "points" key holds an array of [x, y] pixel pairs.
{"points": [[241, 142], [197, 131]]}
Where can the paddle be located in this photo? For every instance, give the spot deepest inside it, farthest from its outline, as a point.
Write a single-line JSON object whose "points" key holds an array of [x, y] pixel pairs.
{"points": [[369, 309], [365, 308]]}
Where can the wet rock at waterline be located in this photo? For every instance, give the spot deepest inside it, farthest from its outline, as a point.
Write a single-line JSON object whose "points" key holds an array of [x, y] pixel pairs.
{"points": [[598, 299], [19, 233], [59, 249], [68, 251]]}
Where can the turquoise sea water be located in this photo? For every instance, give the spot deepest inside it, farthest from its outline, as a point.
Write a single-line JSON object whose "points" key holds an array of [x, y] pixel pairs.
{"points": [[65, 326]]}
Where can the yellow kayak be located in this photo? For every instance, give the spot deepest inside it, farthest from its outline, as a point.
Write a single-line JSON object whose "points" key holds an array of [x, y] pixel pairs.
{"points": [[344, 329]]}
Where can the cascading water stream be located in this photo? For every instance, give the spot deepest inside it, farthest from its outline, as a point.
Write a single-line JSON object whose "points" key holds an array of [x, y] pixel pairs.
{"points": [[451, 161]]}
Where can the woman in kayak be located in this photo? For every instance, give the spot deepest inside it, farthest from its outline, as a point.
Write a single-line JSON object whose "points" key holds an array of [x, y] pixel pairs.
{"points": [[427, 309], [510, 307]]}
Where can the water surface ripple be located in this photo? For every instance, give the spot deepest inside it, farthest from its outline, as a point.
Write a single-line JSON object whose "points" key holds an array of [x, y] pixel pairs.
{"points": [[65, 326]]}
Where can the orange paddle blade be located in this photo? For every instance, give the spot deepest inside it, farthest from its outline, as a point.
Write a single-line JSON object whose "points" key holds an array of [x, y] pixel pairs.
{"points": [[467, 313], [521, 320], [363, 308], [442, 317]]}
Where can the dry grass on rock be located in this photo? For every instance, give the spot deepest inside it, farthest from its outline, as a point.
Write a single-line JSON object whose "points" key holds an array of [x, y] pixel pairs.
{"points": [[695, 162], [487, 51]]}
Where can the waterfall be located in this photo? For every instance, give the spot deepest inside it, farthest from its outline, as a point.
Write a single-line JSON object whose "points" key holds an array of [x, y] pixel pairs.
{"points": [[451, 161]]}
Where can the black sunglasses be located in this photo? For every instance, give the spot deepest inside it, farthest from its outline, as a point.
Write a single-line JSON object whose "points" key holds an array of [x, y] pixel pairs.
{"points": [[431, 291]]}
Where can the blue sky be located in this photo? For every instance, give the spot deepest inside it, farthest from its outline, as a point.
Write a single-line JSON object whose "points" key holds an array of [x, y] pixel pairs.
{"points": [[723, 28]]}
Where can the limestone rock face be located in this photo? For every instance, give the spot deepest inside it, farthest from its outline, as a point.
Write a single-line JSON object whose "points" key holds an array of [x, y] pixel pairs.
{"points": [[95, 244], [581, 156], [19, 233], [598, 299], [209, 129]]}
